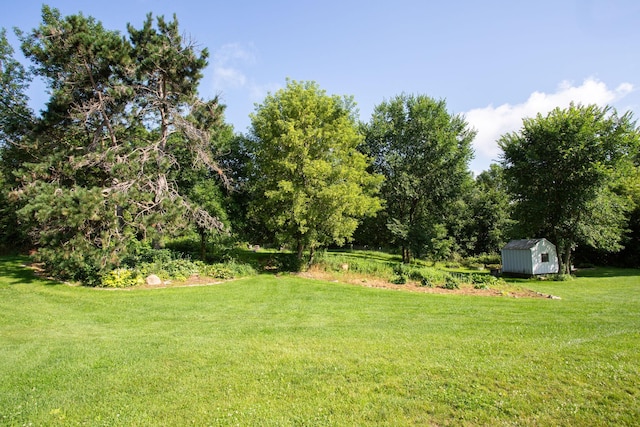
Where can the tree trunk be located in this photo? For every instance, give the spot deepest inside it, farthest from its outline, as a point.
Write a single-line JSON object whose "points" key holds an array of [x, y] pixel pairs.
{"points": [[203, 245], [567, 262], [300, 250], [312, 252], [564, 259], [406, 255]]}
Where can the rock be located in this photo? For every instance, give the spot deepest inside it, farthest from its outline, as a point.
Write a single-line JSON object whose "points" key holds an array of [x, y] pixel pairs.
{"points": [[153, 280]]}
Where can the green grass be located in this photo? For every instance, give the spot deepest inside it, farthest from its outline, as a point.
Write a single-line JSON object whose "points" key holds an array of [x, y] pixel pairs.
{"points": [[280, 350]]}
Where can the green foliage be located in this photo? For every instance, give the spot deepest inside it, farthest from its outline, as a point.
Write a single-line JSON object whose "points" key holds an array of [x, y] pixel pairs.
{"points": [[368, 265], [123, 151], [120, 278], [426, 275], [452, 282], [16, 118], [560, 170], [489, 224], [423, 153], [309, 184], [400, 272], [16, 122], [399, 280], [170, 266], [482, 261]]}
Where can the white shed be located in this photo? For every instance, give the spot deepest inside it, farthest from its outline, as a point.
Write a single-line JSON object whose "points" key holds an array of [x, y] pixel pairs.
{"points": [[529, 257]]}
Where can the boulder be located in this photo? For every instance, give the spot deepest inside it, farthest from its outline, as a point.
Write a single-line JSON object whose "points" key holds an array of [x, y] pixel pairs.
{"points": [[153, 280]]}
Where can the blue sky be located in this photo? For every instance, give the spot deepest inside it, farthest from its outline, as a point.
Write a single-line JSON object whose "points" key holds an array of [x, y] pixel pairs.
{"points": [[493, 61]]}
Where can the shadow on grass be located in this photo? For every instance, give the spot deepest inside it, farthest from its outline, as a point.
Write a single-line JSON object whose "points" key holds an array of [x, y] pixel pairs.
{"points": [[372, 255], [13, 270], [602, 272]]}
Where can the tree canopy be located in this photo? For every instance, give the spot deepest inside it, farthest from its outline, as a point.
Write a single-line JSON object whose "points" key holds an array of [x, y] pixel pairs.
{"points": [[309, 182], [423, 152], [561, 170], [126, 155], [101, 169]]}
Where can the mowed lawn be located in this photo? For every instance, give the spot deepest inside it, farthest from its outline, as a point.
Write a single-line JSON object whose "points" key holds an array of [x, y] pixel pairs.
{"points": [[282, 351]]}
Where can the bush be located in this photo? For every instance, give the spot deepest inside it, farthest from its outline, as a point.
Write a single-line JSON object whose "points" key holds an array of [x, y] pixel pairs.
{"points": [[426, 283], [74, 264], [427, 275], [120, 278], [400, 271], [399, 280], [452, 282]]}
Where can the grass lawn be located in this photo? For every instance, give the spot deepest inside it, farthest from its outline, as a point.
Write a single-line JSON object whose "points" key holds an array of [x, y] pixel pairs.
{"points": [[281, 350]]}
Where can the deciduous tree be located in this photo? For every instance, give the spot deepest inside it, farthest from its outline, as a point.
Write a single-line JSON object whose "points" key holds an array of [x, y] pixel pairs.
{"points": [[423, 152], [309, 182], [561, 170]]}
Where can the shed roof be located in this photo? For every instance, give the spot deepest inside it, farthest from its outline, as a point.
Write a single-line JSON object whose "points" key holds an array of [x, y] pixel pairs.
{"points": [[522, 245]]}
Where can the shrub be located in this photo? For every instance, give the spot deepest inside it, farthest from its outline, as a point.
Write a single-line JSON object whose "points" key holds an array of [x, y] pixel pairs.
{"points": [[488, 259], [426, 283], [427, 275], [120, 278], [400, 271], [399, 280], [452, 282]]}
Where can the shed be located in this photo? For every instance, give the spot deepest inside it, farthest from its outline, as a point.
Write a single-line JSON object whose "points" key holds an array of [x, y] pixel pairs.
{"points": [[529, 257]]}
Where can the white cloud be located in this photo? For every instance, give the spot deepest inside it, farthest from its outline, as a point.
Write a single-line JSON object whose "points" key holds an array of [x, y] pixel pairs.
{"points": [[227, 64], [228, 77], [492, 122]]}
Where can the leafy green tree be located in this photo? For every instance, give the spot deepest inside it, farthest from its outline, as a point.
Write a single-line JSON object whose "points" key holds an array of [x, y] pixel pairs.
{"points": [[491, 222], [423, 152], [105, 160], [16, 123], [309, 183], [16, 118], [561, 169], [236, 162], [630, 188]]}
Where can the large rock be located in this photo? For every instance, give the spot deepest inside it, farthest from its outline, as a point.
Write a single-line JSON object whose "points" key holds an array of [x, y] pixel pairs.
{"points": [[153, 280]]}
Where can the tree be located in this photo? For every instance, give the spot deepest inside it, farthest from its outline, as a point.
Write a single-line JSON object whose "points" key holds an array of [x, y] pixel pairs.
{"points": [[105, 160], [16, 122], [423, 152], [491, 222], [560, 171], [309, 183], [16, 118]]}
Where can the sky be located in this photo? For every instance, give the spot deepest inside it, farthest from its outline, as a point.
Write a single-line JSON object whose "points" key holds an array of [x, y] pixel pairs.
{"points": [[493, 62]]}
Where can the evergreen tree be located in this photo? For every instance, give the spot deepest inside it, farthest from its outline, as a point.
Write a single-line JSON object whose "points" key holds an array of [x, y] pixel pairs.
{"points": [[106, 157], [16, 122]]}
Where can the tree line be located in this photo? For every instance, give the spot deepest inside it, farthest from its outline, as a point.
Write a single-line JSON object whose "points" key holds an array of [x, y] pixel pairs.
{"points": [[126, 154]]}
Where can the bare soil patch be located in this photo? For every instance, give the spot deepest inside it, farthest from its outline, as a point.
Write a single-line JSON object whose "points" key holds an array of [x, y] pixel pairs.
{"points": [[465, 289], [193, 280]]}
